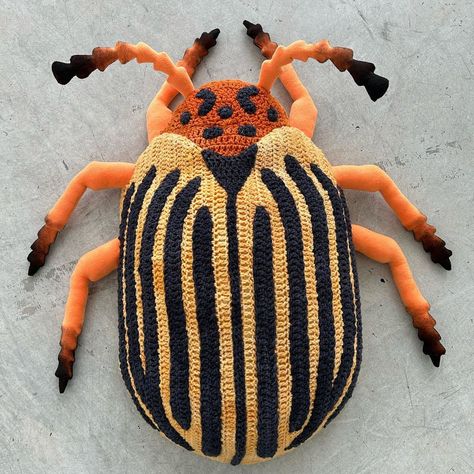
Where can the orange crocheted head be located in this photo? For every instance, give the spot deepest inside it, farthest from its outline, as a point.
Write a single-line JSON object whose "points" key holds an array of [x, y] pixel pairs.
{"points": [[227, 116]]}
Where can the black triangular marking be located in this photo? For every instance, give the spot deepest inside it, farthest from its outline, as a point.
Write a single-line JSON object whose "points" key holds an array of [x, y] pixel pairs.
{"points": [[231, 171]]}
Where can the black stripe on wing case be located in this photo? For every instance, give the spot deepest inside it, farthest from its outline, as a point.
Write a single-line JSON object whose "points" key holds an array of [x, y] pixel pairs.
{"points": [[130, 288], [179, 371], [265, 335], [237, 339], [347, 297], [151, 388], [205, 290], [317, 210], [299, 341], [121, 303], [358, 312]]}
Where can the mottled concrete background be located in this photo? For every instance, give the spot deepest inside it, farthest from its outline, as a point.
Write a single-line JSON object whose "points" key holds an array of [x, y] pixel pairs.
{"points": [[405, 415]]}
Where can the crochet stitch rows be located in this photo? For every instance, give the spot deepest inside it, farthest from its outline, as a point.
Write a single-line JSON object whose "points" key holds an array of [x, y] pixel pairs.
{"points": [[240, 326]]}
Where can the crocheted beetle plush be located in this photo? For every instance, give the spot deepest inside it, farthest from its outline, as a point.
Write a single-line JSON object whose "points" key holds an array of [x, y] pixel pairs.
{"points": [[239, 312]]}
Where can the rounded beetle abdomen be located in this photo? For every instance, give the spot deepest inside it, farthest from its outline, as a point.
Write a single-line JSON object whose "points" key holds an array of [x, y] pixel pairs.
{"points": [[239, 320]]}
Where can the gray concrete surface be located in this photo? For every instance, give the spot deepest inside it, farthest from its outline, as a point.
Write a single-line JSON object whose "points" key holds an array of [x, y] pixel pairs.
{"points": [[405, 415]]}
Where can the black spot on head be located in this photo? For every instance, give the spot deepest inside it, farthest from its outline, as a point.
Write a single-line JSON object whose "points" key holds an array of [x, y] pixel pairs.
{"points": [[209, 100], [272, 114], [247, 130], [243, 97], [212, 132], [225, 112], [185, 117]]}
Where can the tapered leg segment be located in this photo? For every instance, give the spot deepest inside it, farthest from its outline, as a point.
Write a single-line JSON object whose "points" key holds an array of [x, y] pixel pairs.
{"points": [[158, 113], [383, 249], [361, 71], [195, 54], [96, 176], [374, 179], [303, 112], [261, 39], [91, 267], [432, 244], [40, 247], [82, 66]]}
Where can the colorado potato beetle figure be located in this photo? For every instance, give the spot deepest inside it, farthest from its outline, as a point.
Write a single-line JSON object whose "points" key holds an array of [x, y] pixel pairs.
{"points": [[239, 312]]}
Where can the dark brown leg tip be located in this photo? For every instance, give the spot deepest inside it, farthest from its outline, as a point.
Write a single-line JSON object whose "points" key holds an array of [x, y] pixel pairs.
{"points": [[215, 32], [63, 375], [261, 39], [440, 254], [62, 72], [436, 247], [64, 370], [80, 65], [40, 248], [253, 29], [363, 74], [376, 86], [36, 259], [33, 269], [208, 40], [62, 385], [446, 264], [360, 70], [435, 350], [431, 339], [435, 359]]}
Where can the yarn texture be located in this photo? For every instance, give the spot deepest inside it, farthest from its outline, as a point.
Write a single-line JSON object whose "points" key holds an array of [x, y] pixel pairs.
{"points": [[239, 311], [240, 331]]}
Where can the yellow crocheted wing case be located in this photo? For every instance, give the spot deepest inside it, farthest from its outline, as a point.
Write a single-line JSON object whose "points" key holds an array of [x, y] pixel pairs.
{"points": [[238, 295]]}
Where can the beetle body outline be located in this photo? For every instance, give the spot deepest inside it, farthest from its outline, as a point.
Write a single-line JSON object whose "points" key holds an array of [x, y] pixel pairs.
{"points": [[234, 232]]}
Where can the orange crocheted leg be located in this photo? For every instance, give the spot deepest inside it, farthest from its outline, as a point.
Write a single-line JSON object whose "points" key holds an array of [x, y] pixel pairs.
{"points": [[158, 113], [82, 65], [372, 178], [96, 176], [362, 72], [303, 112], [92, 266], [383, 249]]}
